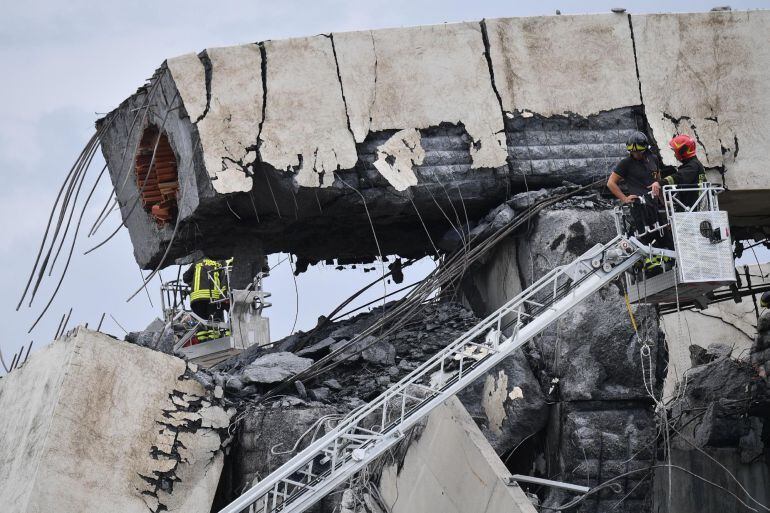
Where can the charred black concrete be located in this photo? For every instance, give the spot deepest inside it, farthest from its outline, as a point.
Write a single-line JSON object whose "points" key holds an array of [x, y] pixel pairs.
{"points": [[545, 151], [600, 419]]}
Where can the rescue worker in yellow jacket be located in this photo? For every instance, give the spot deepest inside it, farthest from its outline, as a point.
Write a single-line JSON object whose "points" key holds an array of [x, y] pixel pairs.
{"points": [[208, 291]]}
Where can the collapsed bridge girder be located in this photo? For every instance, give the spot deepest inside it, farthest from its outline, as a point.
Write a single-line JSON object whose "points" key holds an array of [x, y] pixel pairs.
{"points": [[297, 145]]}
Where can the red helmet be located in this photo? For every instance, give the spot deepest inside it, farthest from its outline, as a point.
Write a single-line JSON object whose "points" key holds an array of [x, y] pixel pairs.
{"points": [[683, 146]]}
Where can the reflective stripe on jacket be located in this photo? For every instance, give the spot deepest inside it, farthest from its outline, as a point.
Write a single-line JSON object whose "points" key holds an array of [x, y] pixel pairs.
{"points": [[207, 281]]}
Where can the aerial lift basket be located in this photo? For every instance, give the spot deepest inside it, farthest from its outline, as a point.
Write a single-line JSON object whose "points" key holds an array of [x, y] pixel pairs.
{"points": [[702, 255]]}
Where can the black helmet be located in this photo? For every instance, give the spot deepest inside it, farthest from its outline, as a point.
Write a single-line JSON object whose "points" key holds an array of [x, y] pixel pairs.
{"points": [[637, 142]]}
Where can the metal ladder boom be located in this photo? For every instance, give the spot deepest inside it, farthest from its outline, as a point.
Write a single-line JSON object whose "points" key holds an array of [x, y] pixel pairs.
{"points": [[374, 428]]}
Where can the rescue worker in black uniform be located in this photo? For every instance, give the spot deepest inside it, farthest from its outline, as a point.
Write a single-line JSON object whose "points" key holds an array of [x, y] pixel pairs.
{"points": [[638, 174], [689, 174]]}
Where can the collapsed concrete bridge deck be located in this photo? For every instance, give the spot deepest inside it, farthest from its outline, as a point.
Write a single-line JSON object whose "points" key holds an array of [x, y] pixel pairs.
{"points": [[309, 145], [355, 145]]}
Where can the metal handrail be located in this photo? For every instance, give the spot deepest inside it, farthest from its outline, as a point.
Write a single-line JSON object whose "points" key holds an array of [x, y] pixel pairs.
{"points": [[707, 197]]}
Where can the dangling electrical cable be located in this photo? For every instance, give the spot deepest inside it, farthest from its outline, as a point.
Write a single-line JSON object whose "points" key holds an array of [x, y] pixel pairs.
{"points": [[69, 256], [50, 220], [374, 233], [77, 184]]}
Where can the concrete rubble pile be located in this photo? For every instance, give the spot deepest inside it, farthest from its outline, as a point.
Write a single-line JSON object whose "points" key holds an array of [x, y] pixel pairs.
{"points": [[573, 404], [718, 420], [281, 421]]}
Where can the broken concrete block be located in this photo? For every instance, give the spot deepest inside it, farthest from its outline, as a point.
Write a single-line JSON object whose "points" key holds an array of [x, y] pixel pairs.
{"points": [[317, 348], [380, 353], [481, 107], [492, 222], [274, 367], [96, 417], [523, 200], [265, 435], [305, 130], [533, 55], [717, 113], [215, 417], [233, 384], [727, 322], [351, 352], [505, 421], [193, 445], [320, 394], [204, 379], [333, 384], [433, 479], [163, 339], [397, 156]]}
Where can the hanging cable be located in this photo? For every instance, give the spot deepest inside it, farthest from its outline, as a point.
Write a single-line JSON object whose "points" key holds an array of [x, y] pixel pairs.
{"points": [[296, 295], [406, 308], [64, 185]]}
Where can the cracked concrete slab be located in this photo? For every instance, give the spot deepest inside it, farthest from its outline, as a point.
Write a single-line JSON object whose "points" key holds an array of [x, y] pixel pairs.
{"points": [[706, 74], [356, 56], [93, 433], [305, 130], [331, 103], [228, 132], [425, 76], [467, 477], [190, 78], [554, 65]]}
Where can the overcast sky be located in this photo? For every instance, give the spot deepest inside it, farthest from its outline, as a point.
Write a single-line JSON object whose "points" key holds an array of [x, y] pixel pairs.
{"points": [[65, 63]]}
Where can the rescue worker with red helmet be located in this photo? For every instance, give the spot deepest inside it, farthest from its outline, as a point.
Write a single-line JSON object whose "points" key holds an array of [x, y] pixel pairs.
{"points": [[689, 174]]}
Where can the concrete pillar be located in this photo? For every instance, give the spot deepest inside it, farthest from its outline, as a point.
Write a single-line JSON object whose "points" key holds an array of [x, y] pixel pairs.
{"points": [[90, 423]]}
